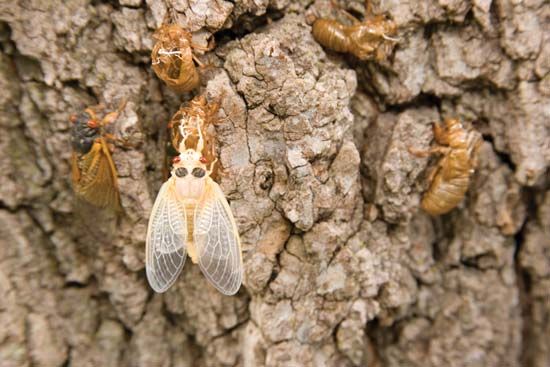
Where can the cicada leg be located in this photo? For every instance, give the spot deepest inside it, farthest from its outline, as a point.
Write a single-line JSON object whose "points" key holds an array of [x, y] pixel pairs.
{"points": [[440, 134], [116, 140], [433, 171], [426, 153], [351, 17], [346, 13], [211, 167], [210, 47], [112, 116], [200, 63]]}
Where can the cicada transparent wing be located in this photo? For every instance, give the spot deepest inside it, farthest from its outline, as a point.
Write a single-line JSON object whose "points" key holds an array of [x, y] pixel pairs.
{"points": [[95, 177], [217, 241], [165, 248]]}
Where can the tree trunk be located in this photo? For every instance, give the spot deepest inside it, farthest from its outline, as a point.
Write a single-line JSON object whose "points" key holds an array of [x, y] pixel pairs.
{"points": [[342, 267]]}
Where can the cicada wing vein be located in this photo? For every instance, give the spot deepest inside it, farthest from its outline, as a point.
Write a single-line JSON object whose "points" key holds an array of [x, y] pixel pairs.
{"points": [[75, 171], [216, 238], [166, 239], [95, 177]]}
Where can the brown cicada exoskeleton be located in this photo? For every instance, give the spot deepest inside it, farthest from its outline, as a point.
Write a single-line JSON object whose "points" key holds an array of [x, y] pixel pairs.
{"points": [[449, 181], [173, 58], [94, 173], [366, 40], [196, 114]]}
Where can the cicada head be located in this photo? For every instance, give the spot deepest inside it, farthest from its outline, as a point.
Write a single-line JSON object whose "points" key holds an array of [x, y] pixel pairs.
{"points": [[190, 173], [84, 132], [373, 38]]}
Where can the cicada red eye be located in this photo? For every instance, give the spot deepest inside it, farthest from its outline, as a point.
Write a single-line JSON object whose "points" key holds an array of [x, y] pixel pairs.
{"points": [[203, 160], [92, 124], [176, 159]]}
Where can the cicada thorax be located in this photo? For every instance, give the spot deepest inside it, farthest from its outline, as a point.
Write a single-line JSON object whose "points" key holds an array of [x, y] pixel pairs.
{"points": [[371, 39], [189, 174], [172, 58], [190, 178]]}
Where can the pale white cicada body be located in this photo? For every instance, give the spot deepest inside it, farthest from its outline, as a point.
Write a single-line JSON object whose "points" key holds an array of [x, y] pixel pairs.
{"points": [[191, 216]]}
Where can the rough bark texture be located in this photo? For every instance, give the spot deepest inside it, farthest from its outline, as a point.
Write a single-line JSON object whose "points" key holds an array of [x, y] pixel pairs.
{"points": [[342, 268]]}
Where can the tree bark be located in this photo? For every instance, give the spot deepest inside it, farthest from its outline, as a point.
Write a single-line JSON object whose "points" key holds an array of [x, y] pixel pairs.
{"points": [[342, 268]]}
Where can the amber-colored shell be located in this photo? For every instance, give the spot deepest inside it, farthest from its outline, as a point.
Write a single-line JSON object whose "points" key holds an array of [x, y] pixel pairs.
{"points": [[188, 115], [451, 177], [172, 58], [367, 40]]}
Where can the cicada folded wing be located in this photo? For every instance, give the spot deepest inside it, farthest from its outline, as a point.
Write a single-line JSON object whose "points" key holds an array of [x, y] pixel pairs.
{"points": [[94, 176], [165, 247], [217, 241]]}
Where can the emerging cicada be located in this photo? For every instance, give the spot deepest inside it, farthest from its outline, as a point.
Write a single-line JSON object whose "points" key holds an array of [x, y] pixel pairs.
{"points": [[191, 216], [173, 59], [94, 174], [367, 40], [449, 181], [187, 115], [203, 113]]}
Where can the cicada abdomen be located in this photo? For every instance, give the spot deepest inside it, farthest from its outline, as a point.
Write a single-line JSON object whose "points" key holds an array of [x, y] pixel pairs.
{"points": [[366, 40], [450, 180], [332, 35]]}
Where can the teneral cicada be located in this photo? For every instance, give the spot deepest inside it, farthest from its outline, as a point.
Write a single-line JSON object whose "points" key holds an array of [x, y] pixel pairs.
{"points": [[94, 174], [191, 216], [173, 59], [449, 181], [366, 40]]}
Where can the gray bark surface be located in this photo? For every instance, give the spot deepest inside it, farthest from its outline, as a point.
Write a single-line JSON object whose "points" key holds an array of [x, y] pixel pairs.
{"points": [[342, 268]]}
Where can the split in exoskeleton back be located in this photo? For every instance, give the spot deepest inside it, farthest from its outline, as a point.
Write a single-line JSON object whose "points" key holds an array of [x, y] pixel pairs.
{"points": [[373, 38], [94, 173], [200, 110], [450, 179], [173, 57]]}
